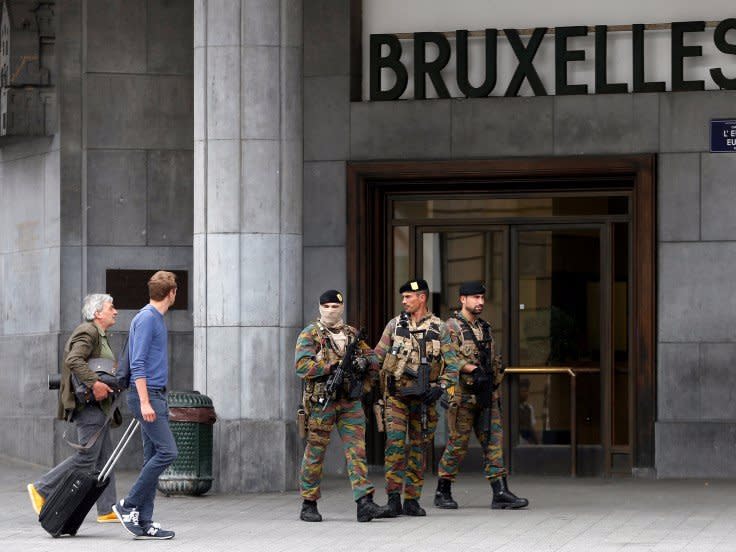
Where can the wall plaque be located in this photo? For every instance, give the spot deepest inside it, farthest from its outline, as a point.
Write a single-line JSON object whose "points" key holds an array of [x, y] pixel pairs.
{"points": [[722, 135]]}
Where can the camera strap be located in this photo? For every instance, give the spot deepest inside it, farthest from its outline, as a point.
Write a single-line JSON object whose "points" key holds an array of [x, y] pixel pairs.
{"points": [[97, 434]]}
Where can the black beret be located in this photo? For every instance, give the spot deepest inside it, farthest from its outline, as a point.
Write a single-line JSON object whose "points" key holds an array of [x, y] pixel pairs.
{"points": [[473, 287], [414, 286], [330, 296]]}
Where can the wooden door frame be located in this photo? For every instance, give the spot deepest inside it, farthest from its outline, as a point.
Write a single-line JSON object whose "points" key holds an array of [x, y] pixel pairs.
{"points": [[369, 182]]}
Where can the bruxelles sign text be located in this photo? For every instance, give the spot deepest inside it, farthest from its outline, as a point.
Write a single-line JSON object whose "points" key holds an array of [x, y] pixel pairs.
{"points": [[525, 62]]}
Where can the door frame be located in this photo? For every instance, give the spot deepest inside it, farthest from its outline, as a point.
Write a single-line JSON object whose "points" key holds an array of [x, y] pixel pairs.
{"points": [[368, 184]]}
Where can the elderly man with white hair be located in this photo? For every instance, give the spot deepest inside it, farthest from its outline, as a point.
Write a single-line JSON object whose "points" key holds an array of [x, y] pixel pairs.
{"points": [[88, 341]]}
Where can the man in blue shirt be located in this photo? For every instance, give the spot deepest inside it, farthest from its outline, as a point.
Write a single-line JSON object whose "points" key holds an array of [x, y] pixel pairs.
{"points": [[149, 374]]}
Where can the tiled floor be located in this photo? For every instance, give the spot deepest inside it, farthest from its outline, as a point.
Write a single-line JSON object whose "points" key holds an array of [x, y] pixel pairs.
{"points": [[565, 515]]}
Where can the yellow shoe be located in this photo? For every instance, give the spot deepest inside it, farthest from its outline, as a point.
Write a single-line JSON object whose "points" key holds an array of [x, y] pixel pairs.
{"points": [[107, 518], [37, 501]]}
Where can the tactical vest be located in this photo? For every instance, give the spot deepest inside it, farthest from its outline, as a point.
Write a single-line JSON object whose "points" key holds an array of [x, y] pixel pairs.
{"points": [[314, 387], [404, 355], [469, 351]]}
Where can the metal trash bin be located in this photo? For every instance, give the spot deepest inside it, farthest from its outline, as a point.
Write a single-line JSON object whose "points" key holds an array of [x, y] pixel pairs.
{"points": [[191, 417]]}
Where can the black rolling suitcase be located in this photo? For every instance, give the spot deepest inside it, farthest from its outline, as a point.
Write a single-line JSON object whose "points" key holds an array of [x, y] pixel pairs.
{"points": [[66, 508]]}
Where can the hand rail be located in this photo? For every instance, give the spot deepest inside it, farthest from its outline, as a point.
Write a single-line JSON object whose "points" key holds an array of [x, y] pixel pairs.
{"points": [[540, 370], [572, 372]]}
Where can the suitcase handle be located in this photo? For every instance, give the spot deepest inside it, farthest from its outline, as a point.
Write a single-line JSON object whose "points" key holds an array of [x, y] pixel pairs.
{"points": [[110, 464]]}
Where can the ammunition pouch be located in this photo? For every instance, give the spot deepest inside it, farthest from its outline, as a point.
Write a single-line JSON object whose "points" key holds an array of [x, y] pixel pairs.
{"points": [[379, 410], [389, 364], [302, 419], [434, 371], [452, 411], [399, 356], [315, 392]]}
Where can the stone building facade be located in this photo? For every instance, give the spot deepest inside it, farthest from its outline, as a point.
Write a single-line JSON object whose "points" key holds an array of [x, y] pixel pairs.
{"points": [[215, 137]]}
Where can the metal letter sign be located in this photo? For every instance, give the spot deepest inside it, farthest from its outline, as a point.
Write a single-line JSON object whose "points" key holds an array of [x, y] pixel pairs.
{"points": [[723, 135]]}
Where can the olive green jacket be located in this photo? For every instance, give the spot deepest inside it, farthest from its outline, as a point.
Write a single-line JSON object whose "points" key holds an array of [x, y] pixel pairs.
{"points": [[83, 344]]}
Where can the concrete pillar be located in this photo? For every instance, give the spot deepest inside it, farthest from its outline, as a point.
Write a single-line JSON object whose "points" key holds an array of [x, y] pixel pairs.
{"points": [[248, 233]]}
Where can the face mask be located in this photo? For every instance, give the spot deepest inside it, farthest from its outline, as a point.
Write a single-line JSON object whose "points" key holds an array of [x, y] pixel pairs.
{"points": [[331, 317]]}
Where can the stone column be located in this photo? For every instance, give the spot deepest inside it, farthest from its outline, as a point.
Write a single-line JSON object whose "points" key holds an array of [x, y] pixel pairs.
{"points": [[248, 233]]}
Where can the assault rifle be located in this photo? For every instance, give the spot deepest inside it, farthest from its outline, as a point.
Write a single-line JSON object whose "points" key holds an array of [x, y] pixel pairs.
{"points": [[483, 386], [421, 381], [347, 369]]}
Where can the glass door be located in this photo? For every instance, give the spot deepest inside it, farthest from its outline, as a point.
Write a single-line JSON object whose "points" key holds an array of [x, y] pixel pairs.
{"points": [[559, 328], [558, 272], [449, 256]]}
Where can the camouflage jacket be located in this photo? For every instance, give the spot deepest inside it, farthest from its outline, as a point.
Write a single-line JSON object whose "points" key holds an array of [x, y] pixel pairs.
{"points": [[315, 355], [83, 344], [467, 351], [441, 352]]}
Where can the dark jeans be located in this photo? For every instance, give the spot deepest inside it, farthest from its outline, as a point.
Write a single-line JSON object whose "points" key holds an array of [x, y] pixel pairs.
{"points": [[159, 451]]}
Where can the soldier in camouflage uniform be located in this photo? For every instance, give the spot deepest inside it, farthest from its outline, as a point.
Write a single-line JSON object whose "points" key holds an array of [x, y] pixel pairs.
{"points": [[465, 412], [319, 350], [408, 408]]}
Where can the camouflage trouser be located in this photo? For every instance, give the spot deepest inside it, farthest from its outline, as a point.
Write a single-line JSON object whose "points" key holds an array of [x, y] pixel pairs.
{"points": [[350, 420], [404, 461], [469, 418]]}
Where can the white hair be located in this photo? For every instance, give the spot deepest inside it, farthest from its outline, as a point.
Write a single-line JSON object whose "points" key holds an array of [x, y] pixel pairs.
{"points": [[93, 304]]}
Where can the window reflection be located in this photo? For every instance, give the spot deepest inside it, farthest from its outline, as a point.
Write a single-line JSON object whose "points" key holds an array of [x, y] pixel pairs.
{"points": [[528, 426]]}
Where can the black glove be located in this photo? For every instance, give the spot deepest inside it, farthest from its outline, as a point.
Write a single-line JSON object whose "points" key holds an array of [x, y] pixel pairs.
{"points": [[431, 395], [359, 365]]}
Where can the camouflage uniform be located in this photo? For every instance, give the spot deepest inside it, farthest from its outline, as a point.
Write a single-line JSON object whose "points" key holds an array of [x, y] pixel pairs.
{"points": [[468, 411], [316, 353], [404, 468]]}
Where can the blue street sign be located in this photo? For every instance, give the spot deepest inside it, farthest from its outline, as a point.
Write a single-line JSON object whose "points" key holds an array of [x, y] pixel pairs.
{"points": [[722, 135]]}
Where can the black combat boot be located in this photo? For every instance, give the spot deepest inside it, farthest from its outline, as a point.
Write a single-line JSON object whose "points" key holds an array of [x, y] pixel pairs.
{"points": [[309, 511], [503, 499], [368, 510], [394, 502], [443, 496], [412, 508]]}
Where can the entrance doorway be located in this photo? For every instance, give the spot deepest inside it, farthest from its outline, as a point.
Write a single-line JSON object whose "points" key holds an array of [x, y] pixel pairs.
{"points": [[562, 267]]}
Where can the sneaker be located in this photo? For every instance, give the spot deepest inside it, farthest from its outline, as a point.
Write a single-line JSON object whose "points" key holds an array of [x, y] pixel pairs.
{"points": [[154, 532], [128, 517], [109, 517], [37, 500], [156, 524]]}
